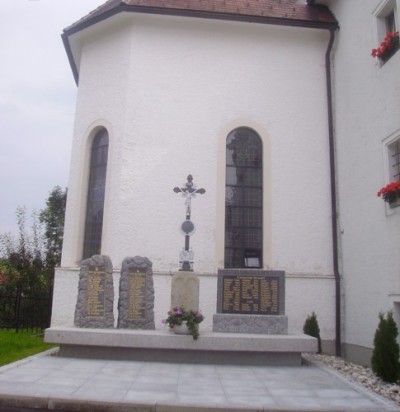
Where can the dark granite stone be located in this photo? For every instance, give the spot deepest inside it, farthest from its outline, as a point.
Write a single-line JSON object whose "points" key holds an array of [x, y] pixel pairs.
{"points": [[95, 303], [136, 294]]}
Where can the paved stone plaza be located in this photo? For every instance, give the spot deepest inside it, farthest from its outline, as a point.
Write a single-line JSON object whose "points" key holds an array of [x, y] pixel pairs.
{"points": [[101, 385]]}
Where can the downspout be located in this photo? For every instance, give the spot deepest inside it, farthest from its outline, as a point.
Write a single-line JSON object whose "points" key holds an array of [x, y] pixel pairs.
{"points": [[335, 254]]}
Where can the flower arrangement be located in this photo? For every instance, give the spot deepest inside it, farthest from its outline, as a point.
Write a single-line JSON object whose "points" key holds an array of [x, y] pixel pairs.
{"points": [[390, 192], [388, 47], [177, 316]]}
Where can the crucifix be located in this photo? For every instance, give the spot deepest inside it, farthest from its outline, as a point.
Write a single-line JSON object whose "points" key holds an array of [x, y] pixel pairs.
{"points": [[189, 191]]}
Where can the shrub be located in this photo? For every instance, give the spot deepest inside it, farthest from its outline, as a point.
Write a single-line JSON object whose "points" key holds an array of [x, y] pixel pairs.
{"points": [[385, 356], [311, 328]]}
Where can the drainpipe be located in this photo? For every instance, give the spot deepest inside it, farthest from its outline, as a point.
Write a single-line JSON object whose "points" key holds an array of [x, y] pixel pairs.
{"points": [[335, 256]]}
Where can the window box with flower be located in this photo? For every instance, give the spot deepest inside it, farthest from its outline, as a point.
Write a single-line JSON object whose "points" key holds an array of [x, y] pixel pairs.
{"points": [[388, 47], [178, 318], [391, 193]]}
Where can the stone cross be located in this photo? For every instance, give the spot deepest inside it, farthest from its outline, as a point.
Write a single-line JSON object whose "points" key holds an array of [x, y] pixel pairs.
{"points": [[189, 191]]}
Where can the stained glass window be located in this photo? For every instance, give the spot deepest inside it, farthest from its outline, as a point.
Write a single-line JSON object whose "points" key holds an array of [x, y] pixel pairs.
{"points": [[243, 199], [95, 197]]}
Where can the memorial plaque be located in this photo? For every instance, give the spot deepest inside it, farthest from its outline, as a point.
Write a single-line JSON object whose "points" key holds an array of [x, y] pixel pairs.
{"points": [[251, 301], [136, 294], [251, 291], [95, 303]]}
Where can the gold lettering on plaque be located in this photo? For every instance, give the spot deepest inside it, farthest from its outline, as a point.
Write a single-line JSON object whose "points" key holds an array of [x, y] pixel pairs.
{"points": [[274, 296], [96, 297], [137, 294], [231, 290], [250, 294]]}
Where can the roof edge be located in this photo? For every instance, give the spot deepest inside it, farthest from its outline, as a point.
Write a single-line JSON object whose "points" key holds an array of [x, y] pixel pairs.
{"points": [[202, 14], [123, 7], [67, 46]]}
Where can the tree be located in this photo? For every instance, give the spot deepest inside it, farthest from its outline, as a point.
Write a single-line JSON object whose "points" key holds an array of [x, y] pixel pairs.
{"points": [[32, 256], [385, 356], [53, 219], [27, 262], [24, 258]]}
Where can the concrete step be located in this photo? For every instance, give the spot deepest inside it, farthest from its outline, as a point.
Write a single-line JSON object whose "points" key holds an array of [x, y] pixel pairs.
{"points": [[165, 346]]}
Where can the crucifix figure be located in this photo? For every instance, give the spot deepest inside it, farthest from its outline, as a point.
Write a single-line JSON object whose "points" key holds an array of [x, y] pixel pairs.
{"points": [[189, 191]]}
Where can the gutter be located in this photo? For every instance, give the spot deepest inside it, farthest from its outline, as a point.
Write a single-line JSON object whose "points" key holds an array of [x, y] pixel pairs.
{"points": [[335, 254]]}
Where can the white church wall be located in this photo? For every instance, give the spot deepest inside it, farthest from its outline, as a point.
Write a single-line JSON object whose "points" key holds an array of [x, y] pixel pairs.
{"points": [[366, 112], [169, 90], [100, 103], [307, 294]]}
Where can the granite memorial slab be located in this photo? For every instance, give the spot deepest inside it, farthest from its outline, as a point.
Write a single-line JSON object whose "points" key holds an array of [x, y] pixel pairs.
{"points": [[251, 291], [251, 301], [136, 294], [95, 303]]}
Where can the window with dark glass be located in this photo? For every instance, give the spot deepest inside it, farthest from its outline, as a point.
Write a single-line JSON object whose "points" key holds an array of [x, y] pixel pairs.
{"points": [[95, 197], [243, 199], [390, 22], [394, 152]]}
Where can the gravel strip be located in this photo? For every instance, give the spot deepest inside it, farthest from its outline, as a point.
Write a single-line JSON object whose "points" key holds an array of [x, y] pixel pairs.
{"points": [[359, 374]]}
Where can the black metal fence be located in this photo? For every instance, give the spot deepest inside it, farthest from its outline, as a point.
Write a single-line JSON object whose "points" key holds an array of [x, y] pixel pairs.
{"points": [[25, 311]]}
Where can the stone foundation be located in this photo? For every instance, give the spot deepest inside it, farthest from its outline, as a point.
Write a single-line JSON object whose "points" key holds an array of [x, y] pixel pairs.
{"points": [[260, 324]]}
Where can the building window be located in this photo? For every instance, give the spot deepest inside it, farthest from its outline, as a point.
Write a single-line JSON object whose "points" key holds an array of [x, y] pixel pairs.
{"points": [[243, 199], [392, 166], [95, 197], [390, 22], [394, 161], [386, 16]]}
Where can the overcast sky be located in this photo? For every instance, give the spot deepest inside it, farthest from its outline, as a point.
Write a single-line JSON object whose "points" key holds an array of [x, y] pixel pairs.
{"points": [[37, 101]]}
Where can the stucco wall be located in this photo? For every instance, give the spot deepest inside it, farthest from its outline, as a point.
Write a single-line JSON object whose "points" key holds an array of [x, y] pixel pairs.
{"points": [[367, 111], [169, 90]]}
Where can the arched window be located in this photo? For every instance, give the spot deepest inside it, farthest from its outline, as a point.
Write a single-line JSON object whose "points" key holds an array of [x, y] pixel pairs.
{"points": [[243, 199], [95, 197]]}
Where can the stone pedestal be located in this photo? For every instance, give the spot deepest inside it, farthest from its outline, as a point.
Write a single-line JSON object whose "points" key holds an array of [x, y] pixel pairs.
{"points": [[185, 291], [261, 324]]}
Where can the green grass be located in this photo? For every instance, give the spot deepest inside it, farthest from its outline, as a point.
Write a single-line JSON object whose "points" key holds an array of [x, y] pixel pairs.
{"points": [[18, 345]]}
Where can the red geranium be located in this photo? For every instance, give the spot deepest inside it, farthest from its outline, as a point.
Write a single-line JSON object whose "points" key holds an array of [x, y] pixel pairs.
{"points": [[388, 46], [390, 191]]}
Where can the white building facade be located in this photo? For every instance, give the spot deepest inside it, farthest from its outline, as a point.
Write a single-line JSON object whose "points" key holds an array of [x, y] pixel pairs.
{"points": [[367, 135], [167, 87]]}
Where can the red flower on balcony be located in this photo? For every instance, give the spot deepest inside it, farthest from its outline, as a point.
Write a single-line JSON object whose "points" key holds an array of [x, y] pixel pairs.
{"points": [[388, 47]]}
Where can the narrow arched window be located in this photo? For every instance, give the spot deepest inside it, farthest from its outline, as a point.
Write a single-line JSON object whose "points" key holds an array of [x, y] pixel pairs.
{"points": [[243, 199], [95, 197]]}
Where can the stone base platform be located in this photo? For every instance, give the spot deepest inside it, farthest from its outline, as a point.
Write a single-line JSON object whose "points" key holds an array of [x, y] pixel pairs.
{"points": [[164, 346], [264, 324]]}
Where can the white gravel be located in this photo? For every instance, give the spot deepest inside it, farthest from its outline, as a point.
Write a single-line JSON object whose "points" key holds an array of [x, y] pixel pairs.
{"points": [[359, 374]]}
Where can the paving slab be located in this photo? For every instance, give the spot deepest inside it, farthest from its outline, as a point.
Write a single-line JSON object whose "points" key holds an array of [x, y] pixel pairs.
{"points": [[49, 382]]}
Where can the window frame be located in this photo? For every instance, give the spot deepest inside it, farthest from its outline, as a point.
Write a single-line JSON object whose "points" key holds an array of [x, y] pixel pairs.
{"points": [[385, 15], [95, 198], [388, 148], [244, 219]]}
